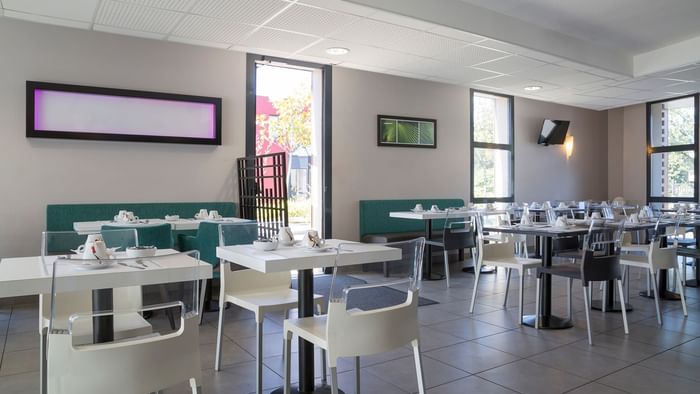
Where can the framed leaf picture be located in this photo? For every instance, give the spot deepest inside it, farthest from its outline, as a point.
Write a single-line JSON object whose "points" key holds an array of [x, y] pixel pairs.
{"points": [[400, 131]]}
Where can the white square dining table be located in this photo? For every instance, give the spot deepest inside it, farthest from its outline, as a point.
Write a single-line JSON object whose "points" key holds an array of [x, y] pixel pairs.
{"points": [[287, 258]]}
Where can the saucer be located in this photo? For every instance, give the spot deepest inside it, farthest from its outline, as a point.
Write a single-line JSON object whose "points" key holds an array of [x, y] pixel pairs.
{"points": [[417, 210], [320, 249]]}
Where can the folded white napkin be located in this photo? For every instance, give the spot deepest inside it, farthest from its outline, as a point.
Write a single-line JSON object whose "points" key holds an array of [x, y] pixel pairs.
{"points": [[525, 219], [561, 222], [562, 205], [633, 218]]}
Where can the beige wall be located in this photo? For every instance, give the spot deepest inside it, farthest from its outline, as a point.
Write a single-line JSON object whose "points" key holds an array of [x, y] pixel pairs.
{"points": [[361, 170], [37, 172], [627, 148], [543, 172]]}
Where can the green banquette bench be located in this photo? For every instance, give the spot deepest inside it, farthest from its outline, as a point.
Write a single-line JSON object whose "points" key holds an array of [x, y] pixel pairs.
{"points": [[60, 217], [377, 227]]}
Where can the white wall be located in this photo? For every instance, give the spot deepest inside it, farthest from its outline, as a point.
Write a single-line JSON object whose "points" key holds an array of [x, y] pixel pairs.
{"points": [[627, 133], [36, 172]]}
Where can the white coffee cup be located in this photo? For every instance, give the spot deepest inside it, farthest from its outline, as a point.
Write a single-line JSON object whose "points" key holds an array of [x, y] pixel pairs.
{"points": [[634, 218], [285, 236], [434, 208], [562, 205], [203, 214], [312, 239], [418, 207], [525, 219], [595, 215], [561, 222], [214, 214]]}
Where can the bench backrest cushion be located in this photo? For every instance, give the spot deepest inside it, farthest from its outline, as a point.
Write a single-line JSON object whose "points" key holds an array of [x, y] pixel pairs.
{"points": [[60, 217], [374, 215]]}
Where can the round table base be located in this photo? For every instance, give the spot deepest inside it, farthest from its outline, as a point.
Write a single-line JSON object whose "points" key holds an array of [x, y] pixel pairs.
{"points": [[550, 322], [484, 270], [668, 296], [322, 389], [597, 305]]}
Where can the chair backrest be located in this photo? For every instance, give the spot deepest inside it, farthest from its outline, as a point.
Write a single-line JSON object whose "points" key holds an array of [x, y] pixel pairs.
{"points": [[357, 332], [663, 258], [600, 260], [458, 232], [137, 361], [158, 235], [497, 248], [247, 280]]}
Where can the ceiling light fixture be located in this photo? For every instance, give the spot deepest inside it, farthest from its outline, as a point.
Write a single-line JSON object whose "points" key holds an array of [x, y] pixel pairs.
{"points": [[532, 88], [337, 51]]}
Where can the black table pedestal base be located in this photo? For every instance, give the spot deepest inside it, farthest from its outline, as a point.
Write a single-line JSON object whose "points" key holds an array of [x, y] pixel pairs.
{"points": [[616, 307], [548, 322], [433, 276], [323, 389], [486, 269], [668, 296]]}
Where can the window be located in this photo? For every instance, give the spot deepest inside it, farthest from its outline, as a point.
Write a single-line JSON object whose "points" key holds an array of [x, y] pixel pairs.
{"points": [[672, 146], [492, 158]]}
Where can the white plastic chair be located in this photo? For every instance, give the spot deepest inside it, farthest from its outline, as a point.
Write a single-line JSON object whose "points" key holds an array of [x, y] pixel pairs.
{"points": [[255, 291], [55, 243], [657, 258], [500, 254], [355, 333], [133, 363]]}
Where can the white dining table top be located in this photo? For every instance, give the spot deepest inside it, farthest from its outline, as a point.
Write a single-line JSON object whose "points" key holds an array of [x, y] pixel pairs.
{"points": [[287, 258], [441, 214], [22, 276], [179, 224]]}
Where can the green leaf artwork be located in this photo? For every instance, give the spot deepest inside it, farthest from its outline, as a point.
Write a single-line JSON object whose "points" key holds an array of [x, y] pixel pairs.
{"points": [[399, 131]]}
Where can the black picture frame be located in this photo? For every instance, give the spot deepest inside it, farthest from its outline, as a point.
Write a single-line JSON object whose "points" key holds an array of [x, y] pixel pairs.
{"points": [[381, 141], [31, 132]]}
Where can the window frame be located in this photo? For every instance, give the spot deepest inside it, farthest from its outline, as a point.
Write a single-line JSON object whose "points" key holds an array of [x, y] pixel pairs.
{"points": [[488, 145], [674, 148]]}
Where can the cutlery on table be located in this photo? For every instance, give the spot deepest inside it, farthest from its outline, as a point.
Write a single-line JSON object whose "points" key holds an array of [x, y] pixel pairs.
{"points": [[132, 266]]}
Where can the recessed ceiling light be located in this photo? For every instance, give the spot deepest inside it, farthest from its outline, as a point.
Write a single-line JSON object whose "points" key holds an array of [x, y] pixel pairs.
{"points": [[533, 87], [337, 51]]}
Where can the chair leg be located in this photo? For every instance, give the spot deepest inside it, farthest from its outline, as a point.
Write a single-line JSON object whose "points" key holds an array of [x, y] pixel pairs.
{"points": [[537, 302], [648, 284], [603, 305], [520, 296], [357, 375], [259, 356], [334, 380], [477, 274], [525, 248], [627, 282], [386, 269], [287, 362], [419, 366], [42, 361], [202, 292], [447, 269], [196, 389], [652, 274], [623, 306], [681, 290], [324, 374], [219, 336], [588, 313], [168, 312], [286, 316], [569, 306], [505, 300]]}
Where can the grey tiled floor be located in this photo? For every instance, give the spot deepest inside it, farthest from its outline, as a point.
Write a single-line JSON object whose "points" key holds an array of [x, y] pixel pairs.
{"points": [[487, 352]]}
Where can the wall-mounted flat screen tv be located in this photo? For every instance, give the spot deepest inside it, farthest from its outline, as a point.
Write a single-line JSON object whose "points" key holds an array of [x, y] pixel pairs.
{"points": [[95, 113], [553, 132]]}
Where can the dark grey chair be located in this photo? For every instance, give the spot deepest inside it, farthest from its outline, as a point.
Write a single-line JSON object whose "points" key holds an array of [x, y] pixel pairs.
{"points": [[458, 233], [600, 262]]}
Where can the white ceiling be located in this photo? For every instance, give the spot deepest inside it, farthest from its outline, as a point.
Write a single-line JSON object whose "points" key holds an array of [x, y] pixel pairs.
{"points": [[635, 25], [387, 42]]}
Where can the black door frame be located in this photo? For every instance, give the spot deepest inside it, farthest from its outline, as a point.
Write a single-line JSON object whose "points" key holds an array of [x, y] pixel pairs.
{"points": [[326, 122]]}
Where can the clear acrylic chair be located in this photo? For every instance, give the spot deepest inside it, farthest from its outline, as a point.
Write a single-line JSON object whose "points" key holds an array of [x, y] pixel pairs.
{"points": [[255, 291], [57, 243], [600, 262], [133, 362], [458, 233], [500, 253], [354, 332]]}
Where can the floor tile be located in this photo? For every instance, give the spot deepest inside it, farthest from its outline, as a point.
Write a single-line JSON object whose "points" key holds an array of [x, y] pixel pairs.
{"points": [[369, 383], [471, 384], [22, 341], [596, 388], [429, 315], [528, 377], [471, 357], [467, 328], [19, 362], [580, 362], [518, 344], [641, 380], [691, 347], [402, 373], [619, 347], [675, 363], [653, 335], [231, 354], [433, 339], [24, 383]]}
